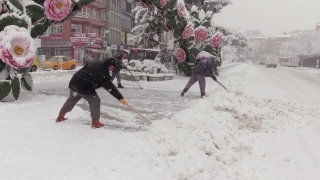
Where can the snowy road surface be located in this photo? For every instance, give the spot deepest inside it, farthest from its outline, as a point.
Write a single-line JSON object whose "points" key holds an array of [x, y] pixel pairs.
{"points": [[267, 127]]}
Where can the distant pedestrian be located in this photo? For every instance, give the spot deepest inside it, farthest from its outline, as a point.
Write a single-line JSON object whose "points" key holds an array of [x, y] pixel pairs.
{"points": [[202, 68], [116, 70], [83, 84]]}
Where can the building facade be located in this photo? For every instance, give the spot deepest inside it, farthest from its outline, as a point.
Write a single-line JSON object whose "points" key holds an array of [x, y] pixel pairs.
{"points": [[81, 37], [127, 23]]}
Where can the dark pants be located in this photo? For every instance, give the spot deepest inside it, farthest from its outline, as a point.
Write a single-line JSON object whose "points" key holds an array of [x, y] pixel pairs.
{"points": [[93, 100], [118, 77], [193, 79]]}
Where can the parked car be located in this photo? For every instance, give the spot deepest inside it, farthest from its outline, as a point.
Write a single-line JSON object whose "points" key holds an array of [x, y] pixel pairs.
{"points": [[35, 64], [58, 62]]}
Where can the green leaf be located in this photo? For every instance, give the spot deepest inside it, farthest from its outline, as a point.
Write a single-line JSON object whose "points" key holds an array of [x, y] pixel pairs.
{"points": [[15, 86], [27, 82], [180, 25], [11, 20], [209, 48], [2, 65], [192, 58], [206, 24], [4, 89], [171, 23], [37, 30], [194, 51], [17, 4], [171, 4], [35, 11]]}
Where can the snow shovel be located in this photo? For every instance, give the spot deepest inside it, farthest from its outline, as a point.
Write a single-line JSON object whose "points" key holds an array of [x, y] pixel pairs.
{"points": [[134, 78], [131, 108], [222, 85]]}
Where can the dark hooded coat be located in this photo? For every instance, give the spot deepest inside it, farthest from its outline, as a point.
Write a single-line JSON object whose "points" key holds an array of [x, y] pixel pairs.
{"points": [[94, 75], [119, 62]]}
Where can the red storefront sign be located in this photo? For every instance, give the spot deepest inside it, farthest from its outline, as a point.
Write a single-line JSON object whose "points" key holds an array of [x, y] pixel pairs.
{"points": [[80, 39], [89, 35], [55, 36], [79, 35], [96, 46]]}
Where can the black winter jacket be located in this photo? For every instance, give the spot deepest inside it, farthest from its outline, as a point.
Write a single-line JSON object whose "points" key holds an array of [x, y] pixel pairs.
{"points": [[120, 66], [204, 67], [93, 76]]}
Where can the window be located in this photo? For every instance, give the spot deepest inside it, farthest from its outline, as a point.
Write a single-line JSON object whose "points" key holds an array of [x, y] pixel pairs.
{"points": [[56, 29], [88, 10], [87, 29], [77, 28], [94, 31], [94, 14]]}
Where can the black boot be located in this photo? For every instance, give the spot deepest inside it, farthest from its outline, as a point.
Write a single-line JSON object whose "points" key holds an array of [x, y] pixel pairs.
{"points": [[203, 94], [120, 86], [184, 91]]}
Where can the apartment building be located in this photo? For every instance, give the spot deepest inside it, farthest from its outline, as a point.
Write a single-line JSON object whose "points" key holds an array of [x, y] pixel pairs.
{"points": [[84, 36]]}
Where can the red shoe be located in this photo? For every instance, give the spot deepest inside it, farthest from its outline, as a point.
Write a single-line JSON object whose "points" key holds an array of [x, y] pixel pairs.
{"points": [[96, 123], [60, 119], [61, 116]]}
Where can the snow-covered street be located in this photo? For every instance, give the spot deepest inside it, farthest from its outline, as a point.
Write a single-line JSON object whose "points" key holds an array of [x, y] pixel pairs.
{"points": [[267, 127]]}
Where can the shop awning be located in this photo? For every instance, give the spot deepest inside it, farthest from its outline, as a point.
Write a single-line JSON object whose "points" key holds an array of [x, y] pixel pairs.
{"points": [[97, 50]]}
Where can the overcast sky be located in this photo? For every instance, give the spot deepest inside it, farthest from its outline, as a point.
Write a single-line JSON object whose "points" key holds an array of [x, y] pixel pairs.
{"points": [[271, 17]]}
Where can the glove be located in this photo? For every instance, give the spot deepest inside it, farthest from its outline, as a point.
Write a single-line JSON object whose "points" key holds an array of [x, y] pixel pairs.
{"points": [[213, 77], [122, 101]]}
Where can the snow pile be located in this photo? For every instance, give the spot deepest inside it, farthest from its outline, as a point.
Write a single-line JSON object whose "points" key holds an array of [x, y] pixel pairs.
{"points": [[146, 65]]}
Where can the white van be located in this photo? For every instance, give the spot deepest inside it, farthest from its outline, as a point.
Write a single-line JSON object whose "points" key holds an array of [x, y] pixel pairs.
{"points": [[272, 61]]}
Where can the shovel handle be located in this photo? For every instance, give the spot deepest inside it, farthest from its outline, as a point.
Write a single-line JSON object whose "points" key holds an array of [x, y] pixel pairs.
{"points": [[131, 108]]}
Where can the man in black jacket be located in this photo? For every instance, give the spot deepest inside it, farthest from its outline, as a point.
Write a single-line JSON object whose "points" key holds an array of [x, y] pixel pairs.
{"points": [[83, 84], [203, 68], [116, 70]]}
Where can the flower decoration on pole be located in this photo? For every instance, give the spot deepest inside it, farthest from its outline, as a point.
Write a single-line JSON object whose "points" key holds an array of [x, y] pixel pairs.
{"points": [[188, 31], [0, 6], [57, 9], [163, 2], [180, 55], [209, 15], [200, 34], [217, 39], [181, 8], [192, 28], [20, 22], [17, 47]]}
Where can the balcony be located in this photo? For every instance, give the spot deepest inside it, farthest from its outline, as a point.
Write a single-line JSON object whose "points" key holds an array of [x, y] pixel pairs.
{"points": [[86, 17], [102, 4]]}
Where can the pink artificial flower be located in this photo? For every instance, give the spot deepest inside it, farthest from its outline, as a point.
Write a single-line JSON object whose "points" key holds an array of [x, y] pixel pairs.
{"points": [[217, 39], [163, 2], [17, 47], [57, 9], [166, 26], [180, 54], [147, 5], [209, 15], [203, 54], [200, 34], [160, 14], [188, 31], [0, 6], [181, 9]]}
